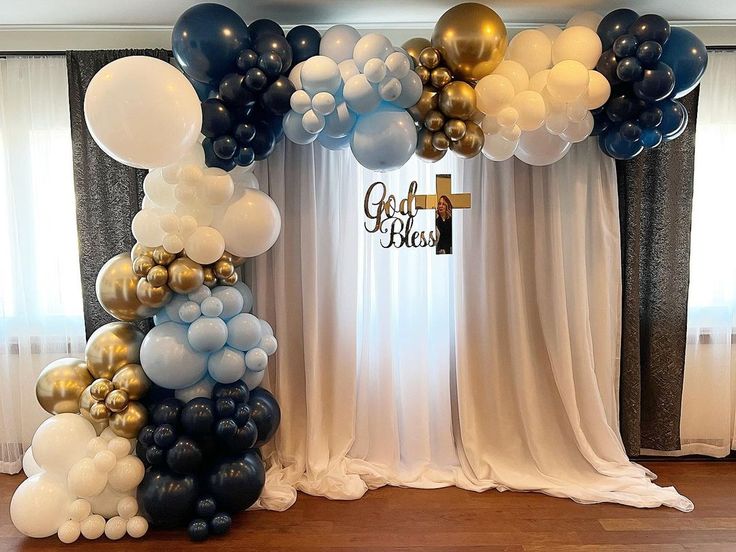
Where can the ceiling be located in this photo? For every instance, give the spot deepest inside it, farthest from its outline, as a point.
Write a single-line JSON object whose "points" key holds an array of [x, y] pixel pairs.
{"points": [[406, 13]]}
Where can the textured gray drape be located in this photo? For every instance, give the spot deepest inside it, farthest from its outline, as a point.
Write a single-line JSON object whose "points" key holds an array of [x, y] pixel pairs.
{"points": [[655, 203], [108, 193]]}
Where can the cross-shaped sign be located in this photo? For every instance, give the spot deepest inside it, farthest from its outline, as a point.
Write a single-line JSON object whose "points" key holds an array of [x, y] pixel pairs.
{"points": [[443, 187]]}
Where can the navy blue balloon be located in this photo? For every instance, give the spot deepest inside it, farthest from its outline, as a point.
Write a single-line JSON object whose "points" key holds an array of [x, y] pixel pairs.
{"points": [[629, 69], [630, 130], [615, 24], [265, 413], [261, 27], [246, 60], [167, 498], [264, 141], [233, 92], [277, 44], [166, 412], [225, 147], [198, 530], [674, 117], [164, 436], [236, 482], [244, 133], [607, 65], [245, 438], [304, 41], [155, 455], [655, 84], [651, 117], [198, 417], [216, 118], [226, 428], [220, 524], [145, 436], [225, 407], [206, 507], [649, 53], [236, 391], [207, 39], [619, 108], [677, 133], [242, 414], [601, 122], [245, 156], [212, 160], [255, 79], [687, 56], [650, 138], [204, 90], [625, 45], [271, 64], [185, 457], [618, 147], [651, 27], [277, 96]]}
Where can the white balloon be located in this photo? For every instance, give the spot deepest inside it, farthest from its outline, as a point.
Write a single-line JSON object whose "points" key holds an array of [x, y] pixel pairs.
{"points": [[494, 92], [398, 65], [137, 527], [599, 90], [348, 69], [250, 225], [295, 75], [540, 148], [80, 509], [190, 173], [511, 134], [115, 528], [320, 74], [490, 125], [158, 190], [119, 446], [340, 122], [515, 72], [295, 131], [338, 42], [313, 122], [411, 90], [30, 468], [61, 441], [533, 49], [323, 103], [127, 507], [374, 70], [557, 122], [205, 245], [93, 527], [217, 186], [389, 89], [576, 111], [269, 344], [538, 81], [169, 223], [372, 45], [579, 131], [85, 480], [300, 101], [126, 475], [105, 460], [577, 44], [69, 532], [496, 148], [568, 80], [588, 19], [507, 117], [108, 434], [146, 228], [40, 505], [551, 31], [531, 108], [173, 243], [360, 95], [142, 112]]}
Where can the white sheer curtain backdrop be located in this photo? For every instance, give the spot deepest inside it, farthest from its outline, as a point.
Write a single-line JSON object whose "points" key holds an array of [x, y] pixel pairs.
{"points": [[495, 367], [40, 294]]}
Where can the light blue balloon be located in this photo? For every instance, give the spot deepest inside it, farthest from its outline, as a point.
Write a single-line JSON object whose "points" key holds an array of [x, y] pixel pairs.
{"points": [[411, 90], [207, 334], [269, 344], [160, 317], [231, 298], [244, 331], [253, 379], [334, 144], [266, 328], [226, 365], [256, 360], [360, 95], [173, 306], [189, 312], [203, 388], [340, 122], [294, 129], [385, 139], [211, 307], [169, 360], [200, 295], [247, 296]]}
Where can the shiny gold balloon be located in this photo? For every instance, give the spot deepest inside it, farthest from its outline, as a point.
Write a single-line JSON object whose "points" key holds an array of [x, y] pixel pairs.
{"points": [[142, 265], [457, 100], [424, 74], [98, 411], [85, 404], [223, 268], [116, 290], [471, 144], [427, 102], [130, 421], [60, 385], [237, 261], [140, 250], [414, 46], [455, 129], [429, 58], [152, 296], [163, 257], [472, 40], [158, 276], [185, 276], [133, 380], [230, 280], [210, 280], [440, 77], [100, 389], [425, 150], [112, 347], [116, 400], [440, 141], [434, 121]]}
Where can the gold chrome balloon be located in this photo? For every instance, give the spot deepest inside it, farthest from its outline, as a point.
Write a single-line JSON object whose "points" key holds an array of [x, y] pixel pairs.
{"points": [[414, 46], [472, 40], [457, 100], [471, 144], [440, 141], [434, 121], [85, 404], [139, 250], [440, 77], [427, 102], [151, 296], [424, 74], [112, 347], [116, 290], [185, 276], [130, 421], [210, 280], [60, 385], [425, 150], [429, 58], [100, 389], [133, 380], [230, 280], [455, 129], [163, 257], [157, 276], [98, 411], [142, 265], [116, 400], [223, 268]]}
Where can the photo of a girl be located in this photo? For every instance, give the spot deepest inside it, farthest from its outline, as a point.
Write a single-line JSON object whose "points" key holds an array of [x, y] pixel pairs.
{"points": [[443, 224]]}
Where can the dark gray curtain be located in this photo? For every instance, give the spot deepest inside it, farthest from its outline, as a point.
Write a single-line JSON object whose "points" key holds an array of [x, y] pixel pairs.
{"points": [[108, 193], [655, 202]]}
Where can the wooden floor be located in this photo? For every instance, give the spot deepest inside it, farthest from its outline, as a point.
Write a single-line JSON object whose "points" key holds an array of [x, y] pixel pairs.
{"points": [[455, 520]]}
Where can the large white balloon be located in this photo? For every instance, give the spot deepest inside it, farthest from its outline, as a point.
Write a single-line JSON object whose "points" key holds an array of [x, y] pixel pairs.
{"points": [[40, 505], [568, 80], [493, 93], [588, 19], [533, 49], [515, 72], [250, 225], [61, 441], [540, 147], [320, 74], [142, 112], [372, 45], [338, 42], [30, 468], [578, 44]]}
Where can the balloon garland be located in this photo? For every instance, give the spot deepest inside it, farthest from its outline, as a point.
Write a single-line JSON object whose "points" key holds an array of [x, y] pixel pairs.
{"points": [[189, 390]]}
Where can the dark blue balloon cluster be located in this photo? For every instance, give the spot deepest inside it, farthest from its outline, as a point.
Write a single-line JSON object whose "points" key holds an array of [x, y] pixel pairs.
{"points": [[240, 74], [649, 65], [202, 458]]}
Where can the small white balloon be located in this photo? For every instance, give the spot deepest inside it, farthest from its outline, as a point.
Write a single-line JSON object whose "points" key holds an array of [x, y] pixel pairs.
{"points": [[511, 134], [411, 90], [340, 122], [191, 174], [158, 190], [253, 379], [320, 74], [552, 31], [599, 90], [137, 527], [568, 80], [69, 532], [119, 446], [531, 109], [185, 193], [256, 360], [375, 70], [108, 434], [300, 101], [313, 122], [188, 224], [538, 81], [576, 111], [80, 509], [205, 245], [493, 93], [295, 75], [147, 228], [398, 65], [496, 148], [173, 243], [579, 131], [323, 103], [338, 42], [269, 344], [533, 49], [93, 527], [115, 528], [389, 89], [169, 223], [372, 45], [490, 125], [105, 460], [557, 122], [127, 507], [507, 117]]}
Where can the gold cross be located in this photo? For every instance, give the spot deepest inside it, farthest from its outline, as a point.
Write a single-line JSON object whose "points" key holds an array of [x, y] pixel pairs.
{"points": [[443, 187]]}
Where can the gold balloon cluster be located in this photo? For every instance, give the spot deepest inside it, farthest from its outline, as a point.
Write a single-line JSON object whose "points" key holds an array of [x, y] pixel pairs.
{"points": [[106, 386], [445, 110]]}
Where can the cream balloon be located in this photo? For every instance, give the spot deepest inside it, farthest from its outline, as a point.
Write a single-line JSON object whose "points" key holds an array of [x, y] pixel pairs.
{"points": [[142, 112], [250, 225], [588, 19], [515, 72], [493, 93], [61, 441], [538, 81], [577, 132], [205, 245], [497, 148], [533, 49], [531, 108], [568, 80], [578, 44], [30, 468], [599, 90], [39, 505], [550, 31]]}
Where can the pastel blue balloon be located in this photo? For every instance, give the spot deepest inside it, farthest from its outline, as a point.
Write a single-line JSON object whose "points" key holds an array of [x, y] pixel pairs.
{"points": [[202, 389], [411, 90], [256, 360], [169, 360], [244, 331], [211, 307], [360, 95], [189, 312], [231, 299], [334, 144], [253, 379], [269, 344], [160, 317], [200, 295], [294, 129], [247, 295], [266, 328], [226, 365], [207, 334], [385, 139], [688, 57], [340, 122], [173, 306]]}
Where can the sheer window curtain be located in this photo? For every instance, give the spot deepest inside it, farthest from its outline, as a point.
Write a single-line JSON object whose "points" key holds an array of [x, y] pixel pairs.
{"points": [[495, 367], [40, 295]]}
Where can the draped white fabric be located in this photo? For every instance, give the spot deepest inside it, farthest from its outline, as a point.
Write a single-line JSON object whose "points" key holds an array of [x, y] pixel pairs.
{"points": [[495, 367], [40, 294]]}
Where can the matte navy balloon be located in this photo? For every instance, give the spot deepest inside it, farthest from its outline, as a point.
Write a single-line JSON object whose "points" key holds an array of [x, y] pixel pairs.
{"points": [[245, 156], [236, 482], [265, 413], [651, 27], [607, 65], [650, 138], [275, 43], [255, 79], [207, 39], [167, 498], [630, 130], [246, 60], [625, 45], [615, 24], [618, 147], [225, 147], [185, 457], [655, 84], [164, 436], [271, 64], [629, 69], [211, 159], [166, 412], [244, 133], [649, 53], [233, 92], [198, 417], [206, 507], [216, 118], [674, 115], [261, 27], [687, 56], [220, 524], [277, 96], [651, 117], [304, 41], [198, 530]]}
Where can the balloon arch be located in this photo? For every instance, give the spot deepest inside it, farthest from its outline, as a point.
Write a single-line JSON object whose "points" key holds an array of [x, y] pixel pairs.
{"points": [[166, 428]]}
